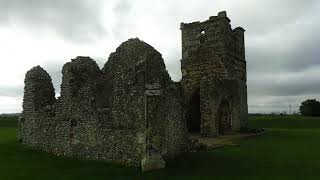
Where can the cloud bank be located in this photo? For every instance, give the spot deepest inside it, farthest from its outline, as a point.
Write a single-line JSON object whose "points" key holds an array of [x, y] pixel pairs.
{"points": [[282, 41]]}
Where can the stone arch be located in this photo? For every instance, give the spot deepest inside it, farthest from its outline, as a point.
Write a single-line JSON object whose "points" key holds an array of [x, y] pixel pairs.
{"points": [[224, 117], [193, 115]]}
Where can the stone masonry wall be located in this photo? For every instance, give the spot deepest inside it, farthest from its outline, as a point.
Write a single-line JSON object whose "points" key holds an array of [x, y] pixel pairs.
{"points": [[106, 114], [212, 92], [130, 111], [80, 123], [39, 91], [212, 50], [155, 101], [39, 97]]}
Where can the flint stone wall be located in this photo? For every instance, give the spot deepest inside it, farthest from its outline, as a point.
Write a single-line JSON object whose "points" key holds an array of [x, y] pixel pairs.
{"points": [[102, 114]]}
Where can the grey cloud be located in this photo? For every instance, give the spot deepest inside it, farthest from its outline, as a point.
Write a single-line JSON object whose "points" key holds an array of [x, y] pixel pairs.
{"points": [[289, 86], [11, 109], [121, 11], [55, 71], [282, 38], [267, 104], [307, 54], [100, 60], [54, 68], [293, 49], [173, 65], [122, 7], [265, 16], [11, 91], [76, 20], [288, 44]]}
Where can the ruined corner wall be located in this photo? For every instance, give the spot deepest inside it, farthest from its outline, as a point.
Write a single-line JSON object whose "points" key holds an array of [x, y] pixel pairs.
{"points": [[171, 123], [39, 98], [39, 91], [143, 90], [81, 122], [123, 112]]}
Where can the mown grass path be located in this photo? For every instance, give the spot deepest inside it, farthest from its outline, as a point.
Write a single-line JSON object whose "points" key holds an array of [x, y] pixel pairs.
{"points": [[290, 149]]}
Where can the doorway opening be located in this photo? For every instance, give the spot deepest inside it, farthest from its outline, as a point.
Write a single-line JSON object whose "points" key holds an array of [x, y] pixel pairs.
{"points": [[223, 118], [193, 116]]}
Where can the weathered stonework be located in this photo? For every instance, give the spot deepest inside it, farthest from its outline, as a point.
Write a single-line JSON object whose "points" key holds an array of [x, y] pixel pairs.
{"points": [[131, 111], [213, 59]]}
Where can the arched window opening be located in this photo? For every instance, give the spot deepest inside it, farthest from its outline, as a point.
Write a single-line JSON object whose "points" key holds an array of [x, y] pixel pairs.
{"points": [[202, 37]]}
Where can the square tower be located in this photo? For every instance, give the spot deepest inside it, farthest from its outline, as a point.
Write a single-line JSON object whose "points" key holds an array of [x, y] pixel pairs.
{"points": [[212, 50]]}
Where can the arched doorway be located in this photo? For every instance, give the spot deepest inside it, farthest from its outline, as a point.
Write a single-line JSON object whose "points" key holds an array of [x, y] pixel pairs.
{"points": [[193, 115], [223, 118]]}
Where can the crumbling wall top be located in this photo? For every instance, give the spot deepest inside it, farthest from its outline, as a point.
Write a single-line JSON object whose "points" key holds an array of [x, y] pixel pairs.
{"points": [[82, 81], [38, 90], [220, 17], [129, 60]]}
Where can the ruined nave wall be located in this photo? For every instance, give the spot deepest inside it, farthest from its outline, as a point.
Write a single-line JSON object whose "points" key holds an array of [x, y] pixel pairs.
{"points": [[124, 112]]}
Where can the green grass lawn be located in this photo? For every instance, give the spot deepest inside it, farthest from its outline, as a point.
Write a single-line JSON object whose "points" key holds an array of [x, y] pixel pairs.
{"points": [[290, 149]]}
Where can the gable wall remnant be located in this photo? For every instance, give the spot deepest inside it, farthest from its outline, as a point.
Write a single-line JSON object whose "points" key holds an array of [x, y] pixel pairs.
{"points": [[125, 112]]}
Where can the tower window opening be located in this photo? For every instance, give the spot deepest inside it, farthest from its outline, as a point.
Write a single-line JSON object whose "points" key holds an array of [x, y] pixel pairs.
{"points": [[202, 37]]}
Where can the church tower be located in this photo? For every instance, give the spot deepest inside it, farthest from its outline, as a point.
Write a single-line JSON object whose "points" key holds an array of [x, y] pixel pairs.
{"points": [[213, 57]]}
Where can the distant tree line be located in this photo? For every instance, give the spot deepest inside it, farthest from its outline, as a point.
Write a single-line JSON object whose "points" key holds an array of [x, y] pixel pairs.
{"points": [[310, 107]]}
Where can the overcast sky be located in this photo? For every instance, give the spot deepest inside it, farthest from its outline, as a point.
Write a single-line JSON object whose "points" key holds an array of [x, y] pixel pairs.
{"points": [[282, 41]]}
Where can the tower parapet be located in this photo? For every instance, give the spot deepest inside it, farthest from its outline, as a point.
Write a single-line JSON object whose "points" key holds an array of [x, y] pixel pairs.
{"points": [[211, 47]]}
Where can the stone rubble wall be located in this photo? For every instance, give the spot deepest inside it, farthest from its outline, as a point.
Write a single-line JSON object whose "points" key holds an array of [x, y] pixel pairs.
{"points": [[101, 114], [172, 122], [130, 111], [39, 91], [212, 92], [213, 50]]}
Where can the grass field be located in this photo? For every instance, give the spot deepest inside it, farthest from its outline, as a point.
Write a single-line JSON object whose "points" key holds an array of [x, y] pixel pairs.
{"points": [[290, 149]]}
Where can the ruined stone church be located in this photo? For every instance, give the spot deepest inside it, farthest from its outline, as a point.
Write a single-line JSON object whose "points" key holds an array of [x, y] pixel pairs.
{"points": [[130, 111]]}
